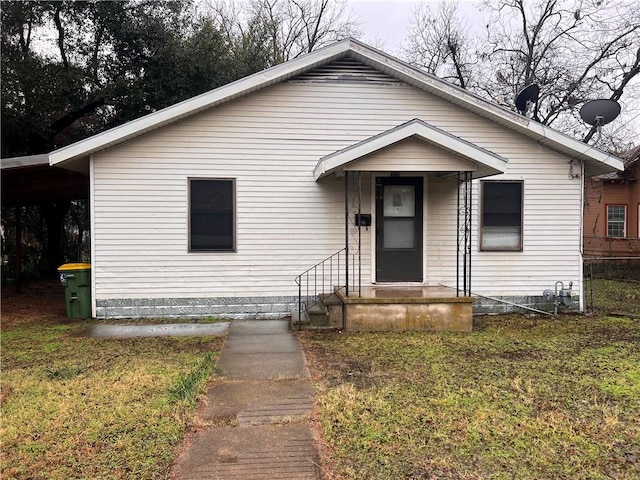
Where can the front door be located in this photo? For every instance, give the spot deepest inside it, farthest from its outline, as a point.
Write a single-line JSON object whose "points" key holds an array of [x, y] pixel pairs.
{"points": [[399, 229]]}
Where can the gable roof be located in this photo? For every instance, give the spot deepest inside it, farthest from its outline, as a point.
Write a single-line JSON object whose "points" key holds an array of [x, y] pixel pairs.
{"points": [[486, 162], [596, 161]]}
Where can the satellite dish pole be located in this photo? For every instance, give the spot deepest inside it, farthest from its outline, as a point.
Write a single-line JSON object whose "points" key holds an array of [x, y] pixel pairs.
{"points": [[598, 113]]}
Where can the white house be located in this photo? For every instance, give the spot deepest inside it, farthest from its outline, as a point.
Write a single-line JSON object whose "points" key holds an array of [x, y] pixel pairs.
{"points": [[215, 205]]}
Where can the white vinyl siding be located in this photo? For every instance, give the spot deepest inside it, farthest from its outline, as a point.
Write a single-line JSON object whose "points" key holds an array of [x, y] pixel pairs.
{"points": [[411, 155], [270, 142]]}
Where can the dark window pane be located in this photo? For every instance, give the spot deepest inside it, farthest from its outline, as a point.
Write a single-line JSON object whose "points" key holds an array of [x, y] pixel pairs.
{"points": [[211, 215], [502, 206], [501, 215]]}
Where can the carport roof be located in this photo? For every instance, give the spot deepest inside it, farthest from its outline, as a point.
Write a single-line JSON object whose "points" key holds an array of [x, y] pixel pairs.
{"points": [[30, 180]]}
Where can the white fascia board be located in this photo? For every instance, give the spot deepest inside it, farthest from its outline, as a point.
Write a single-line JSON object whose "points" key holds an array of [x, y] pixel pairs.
{"points": [[580, 150], [439, 138], [27, 161], [194, 105]]}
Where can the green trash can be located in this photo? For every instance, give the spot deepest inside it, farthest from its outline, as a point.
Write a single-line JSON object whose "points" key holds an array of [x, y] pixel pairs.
{"points": [[76, 278]]}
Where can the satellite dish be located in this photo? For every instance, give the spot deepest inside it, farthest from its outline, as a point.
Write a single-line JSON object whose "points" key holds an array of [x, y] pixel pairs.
{"points": [[527, 97], [600, 112]]}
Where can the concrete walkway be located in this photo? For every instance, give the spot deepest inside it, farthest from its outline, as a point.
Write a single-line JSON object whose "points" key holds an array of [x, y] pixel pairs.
{"points": [[255, 419]]}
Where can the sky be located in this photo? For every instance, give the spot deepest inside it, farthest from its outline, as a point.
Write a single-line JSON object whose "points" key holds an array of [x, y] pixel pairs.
{"points": [[383, 21], [385, 24]]}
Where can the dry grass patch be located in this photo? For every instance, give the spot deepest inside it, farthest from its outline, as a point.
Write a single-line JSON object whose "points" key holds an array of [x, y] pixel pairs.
{"points": [[520, 397], [97, 408]]}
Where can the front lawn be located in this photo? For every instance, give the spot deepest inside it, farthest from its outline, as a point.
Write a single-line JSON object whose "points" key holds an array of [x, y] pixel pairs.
{"points": [[95, 408], [519, 398]]}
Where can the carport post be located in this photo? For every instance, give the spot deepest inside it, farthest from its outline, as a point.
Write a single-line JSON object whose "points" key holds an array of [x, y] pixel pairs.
{"points": [[18, 250]]}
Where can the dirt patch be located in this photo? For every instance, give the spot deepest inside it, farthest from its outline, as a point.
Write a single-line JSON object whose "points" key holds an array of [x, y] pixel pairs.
{"points": [[41, 302], [337, 369]]}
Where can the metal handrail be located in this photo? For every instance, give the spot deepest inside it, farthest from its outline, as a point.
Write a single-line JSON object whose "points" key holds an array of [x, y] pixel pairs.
{"points": [[332, 277]]}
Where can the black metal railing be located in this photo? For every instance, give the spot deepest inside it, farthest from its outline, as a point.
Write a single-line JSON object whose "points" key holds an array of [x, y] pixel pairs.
{"points": [[326, 277]]}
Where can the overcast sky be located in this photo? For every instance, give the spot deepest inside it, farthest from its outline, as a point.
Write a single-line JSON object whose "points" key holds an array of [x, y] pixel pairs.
{"points": [[385, 24], [383, 21]]}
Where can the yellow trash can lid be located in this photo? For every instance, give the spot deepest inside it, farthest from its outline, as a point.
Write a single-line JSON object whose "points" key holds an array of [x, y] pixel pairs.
{"points": [[74, 266]]}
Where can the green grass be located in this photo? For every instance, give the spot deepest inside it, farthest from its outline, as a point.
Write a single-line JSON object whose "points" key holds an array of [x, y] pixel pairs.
{"points": [[519, 398], [614, 296], [97, 408]]}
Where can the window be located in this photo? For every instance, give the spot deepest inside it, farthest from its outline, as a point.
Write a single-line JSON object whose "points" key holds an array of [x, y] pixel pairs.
{"points": [[616, 221], [212, 215], [501, 217]]}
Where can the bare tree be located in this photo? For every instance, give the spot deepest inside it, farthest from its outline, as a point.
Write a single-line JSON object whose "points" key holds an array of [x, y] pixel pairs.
{"points": [[439, 43], [288, 28], [575, 50]]}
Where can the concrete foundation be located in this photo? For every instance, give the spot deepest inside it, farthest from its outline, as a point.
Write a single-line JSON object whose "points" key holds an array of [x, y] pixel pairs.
{"points": [[262, 308]]}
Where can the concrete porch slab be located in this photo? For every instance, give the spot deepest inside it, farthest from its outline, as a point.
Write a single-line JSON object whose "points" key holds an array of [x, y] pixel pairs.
{"points": [[400, 308]]}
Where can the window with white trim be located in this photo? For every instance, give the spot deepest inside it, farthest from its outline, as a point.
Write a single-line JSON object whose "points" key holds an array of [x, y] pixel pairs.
{"points": [[212, 214], [616, 221], [501, 215]]}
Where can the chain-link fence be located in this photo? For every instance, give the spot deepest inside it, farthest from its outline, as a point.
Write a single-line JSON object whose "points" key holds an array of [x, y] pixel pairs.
{"points": [[613, 268], [612, 285]]}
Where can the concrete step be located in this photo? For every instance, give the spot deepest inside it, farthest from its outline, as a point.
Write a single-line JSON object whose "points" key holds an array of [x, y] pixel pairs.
{"points": [[318, 315], [310, 320], [299, 321], [327, 314], [317, 309], [330, 299]]}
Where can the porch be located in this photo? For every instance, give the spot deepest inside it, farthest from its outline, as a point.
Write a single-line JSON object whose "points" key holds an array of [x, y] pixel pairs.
{"points": [[388, 308], [407, 225], [396, 308]]}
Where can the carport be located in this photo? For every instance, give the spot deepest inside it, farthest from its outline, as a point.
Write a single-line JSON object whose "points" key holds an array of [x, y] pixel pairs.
{"points": [[30, 181]]}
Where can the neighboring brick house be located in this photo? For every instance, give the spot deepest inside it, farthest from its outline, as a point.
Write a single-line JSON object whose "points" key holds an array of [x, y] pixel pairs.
{"points": [[612, 210]]}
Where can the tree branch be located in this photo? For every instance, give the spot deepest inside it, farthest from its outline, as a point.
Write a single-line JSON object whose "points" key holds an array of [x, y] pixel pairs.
{"points": [[68, 119], [58, 23]]}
